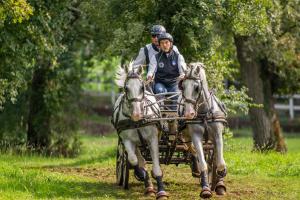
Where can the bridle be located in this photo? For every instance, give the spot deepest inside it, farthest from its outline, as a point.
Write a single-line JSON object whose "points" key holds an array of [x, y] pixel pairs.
{"points": [[200, 88], [134, 75]]}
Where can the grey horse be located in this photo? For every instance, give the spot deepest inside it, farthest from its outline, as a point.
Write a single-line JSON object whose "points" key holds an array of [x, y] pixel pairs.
{"points": [[199, 101], [130, 107]]}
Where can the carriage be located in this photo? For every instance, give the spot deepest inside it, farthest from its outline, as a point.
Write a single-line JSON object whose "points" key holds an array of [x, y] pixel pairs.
{"points": [[139, 113], [173, 148]]}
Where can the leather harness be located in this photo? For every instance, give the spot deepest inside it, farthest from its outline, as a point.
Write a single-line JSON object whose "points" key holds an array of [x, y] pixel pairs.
{"points": [[125, 124]]}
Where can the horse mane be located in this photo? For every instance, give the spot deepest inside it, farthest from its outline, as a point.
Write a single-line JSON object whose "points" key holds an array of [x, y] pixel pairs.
{"points": [[122, 73]]}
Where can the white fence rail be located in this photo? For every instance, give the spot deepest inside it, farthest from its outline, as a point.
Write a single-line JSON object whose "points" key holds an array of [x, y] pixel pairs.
{"points": [[291, 107]]}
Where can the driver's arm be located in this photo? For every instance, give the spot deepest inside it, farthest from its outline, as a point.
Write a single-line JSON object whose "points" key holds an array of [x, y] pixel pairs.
{"points": [[152, 67], [181, 65], [140, 59]]}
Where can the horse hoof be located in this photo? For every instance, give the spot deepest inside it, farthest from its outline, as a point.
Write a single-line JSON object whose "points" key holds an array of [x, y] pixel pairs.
{"points": [[220, 188], [149, 191], [162, 195], [206, 193]]}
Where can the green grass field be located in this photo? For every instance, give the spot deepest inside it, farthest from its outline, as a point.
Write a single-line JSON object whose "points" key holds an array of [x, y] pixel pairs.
{"points": [[92, 174]]}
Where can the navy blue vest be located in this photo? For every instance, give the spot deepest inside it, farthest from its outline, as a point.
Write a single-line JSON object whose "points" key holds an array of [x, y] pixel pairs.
{"points": [[167, 68]]}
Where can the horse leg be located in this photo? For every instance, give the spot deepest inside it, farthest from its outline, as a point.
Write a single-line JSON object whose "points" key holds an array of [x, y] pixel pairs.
{"points": [[139, 173], [196, 135], [194, 161], [149, 189], [156, 170], [220, 162]]}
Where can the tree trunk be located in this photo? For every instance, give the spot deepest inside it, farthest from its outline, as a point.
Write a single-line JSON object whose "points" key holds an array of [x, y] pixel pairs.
{"points": [[265, 124], [38, 133], [266, 74]]}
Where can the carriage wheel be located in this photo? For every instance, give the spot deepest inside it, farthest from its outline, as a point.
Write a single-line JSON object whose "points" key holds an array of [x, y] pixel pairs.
{"points": [[212, 169], [126, 166], [122, 166], [119, 163]]}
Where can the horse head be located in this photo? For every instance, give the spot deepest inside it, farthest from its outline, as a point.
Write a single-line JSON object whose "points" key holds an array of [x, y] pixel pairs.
{"points": [[134, 89], [192, 86]]}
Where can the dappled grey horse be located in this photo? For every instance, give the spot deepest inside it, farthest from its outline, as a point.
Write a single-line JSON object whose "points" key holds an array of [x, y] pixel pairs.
{"points": [[199, 102], [130, 108]]}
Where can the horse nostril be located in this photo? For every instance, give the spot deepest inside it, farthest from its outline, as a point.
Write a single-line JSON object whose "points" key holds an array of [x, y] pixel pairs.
{"points": [[192, 115], [136, 116]]}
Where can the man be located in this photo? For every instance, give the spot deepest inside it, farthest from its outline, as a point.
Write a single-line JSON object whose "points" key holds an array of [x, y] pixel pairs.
{"points": [[166, 67], [151, 49]]}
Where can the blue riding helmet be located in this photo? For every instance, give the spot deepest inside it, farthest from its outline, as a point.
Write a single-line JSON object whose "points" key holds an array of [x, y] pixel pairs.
{"points": [[157, 30]]}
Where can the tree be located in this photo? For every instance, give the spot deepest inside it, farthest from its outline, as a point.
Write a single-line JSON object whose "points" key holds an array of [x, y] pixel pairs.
{"points": [[15, 48], [259, 29], [263, 34], [41, 53]]}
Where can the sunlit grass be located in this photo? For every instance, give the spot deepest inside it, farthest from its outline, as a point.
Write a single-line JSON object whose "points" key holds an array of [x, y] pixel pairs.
{"points": [[252, 175]]}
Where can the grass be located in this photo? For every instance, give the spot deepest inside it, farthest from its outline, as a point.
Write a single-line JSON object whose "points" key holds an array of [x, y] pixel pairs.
{"points": [[251, 175]]}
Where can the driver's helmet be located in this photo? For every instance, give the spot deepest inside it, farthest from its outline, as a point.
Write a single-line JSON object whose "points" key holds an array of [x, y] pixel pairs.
{"points": [[157, 30], [165, 36]]}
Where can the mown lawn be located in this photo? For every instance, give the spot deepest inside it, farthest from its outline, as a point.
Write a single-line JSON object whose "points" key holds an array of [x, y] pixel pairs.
{"points": [[92, 174]]}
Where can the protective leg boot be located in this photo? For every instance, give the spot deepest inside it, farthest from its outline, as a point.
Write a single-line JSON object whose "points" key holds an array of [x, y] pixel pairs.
{"points": [[220, 188], [205, 192]]}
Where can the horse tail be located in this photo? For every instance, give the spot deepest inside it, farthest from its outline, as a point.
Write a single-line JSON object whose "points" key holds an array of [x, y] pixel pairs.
{"points": [[122, 72], [120, 77]]}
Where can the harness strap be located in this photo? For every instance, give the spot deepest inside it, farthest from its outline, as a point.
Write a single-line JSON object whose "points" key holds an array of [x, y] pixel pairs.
{"points": [[118, 107], [129, 124]]}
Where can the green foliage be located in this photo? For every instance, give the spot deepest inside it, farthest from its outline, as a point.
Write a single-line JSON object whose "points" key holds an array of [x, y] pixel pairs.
{"points": [[101, 77], [13, 53], [14, 11], [273, 32], [39, 43], [72, 41], [194, 31]]}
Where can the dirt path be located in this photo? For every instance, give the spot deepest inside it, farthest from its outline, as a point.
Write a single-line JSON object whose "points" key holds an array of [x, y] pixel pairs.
{"points": [[179, 183]]}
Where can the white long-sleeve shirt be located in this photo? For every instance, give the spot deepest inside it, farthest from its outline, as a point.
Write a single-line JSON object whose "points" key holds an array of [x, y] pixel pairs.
{"points": [[141, 58], [153, 65]]}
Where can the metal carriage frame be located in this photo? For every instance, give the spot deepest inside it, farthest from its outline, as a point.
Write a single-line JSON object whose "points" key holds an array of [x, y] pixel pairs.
{"points": [[173, 149]]}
